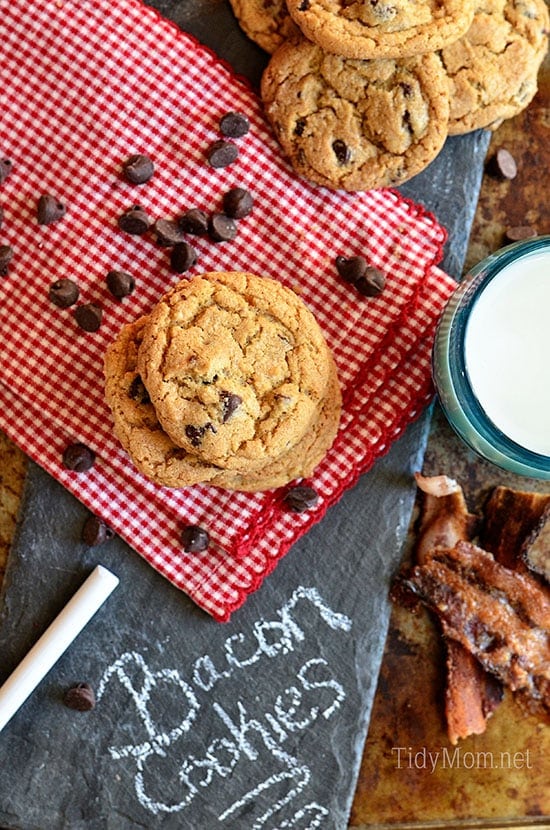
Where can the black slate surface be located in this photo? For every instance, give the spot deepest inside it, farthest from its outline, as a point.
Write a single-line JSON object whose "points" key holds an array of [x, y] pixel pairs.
{"points": [[259, 723]]}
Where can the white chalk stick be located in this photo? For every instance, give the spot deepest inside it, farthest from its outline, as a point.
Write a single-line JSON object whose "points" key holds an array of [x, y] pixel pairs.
{"points": [[55, 640]]}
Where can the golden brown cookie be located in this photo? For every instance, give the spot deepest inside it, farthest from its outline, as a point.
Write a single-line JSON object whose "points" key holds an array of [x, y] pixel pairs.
{"points": [[355, 125], [374, 29], [135, 422], [493, 68], [266, 22], [156, 456], [236, 367]]}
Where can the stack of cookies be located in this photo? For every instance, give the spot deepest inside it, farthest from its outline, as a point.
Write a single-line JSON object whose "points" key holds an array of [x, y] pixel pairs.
{"points": [[228, 380], [363, 93]]}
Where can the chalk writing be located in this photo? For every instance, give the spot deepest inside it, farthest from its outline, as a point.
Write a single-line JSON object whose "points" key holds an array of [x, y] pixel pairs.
{"points": [[239, 737]]}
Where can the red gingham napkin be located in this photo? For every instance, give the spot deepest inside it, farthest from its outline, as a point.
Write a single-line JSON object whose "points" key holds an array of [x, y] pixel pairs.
{"points": [[85, 85]]}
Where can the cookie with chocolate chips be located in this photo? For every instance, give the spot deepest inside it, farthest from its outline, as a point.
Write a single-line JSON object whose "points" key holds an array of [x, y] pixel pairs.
{"points": [[236, 368], [374, 29], [355, 125], [266, 22], [493, 68]]}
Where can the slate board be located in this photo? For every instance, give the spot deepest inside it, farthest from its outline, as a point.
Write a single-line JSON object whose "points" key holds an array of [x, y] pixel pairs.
{"points": [[259, 723]]}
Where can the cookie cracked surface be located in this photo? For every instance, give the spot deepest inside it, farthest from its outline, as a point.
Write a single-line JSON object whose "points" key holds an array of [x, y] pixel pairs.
{"points": [[374, 29], [493, 68], [354, 125], [236, 367]]}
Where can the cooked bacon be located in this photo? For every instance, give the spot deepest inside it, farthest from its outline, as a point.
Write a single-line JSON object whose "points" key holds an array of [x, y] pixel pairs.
{"points": [[536, 548], [501, 617], [510, 517], [471, 695]]}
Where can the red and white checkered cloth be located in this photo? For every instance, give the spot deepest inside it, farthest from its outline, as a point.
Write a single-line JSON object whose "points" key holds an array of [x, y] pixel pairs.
{"points": [[85, 85]]}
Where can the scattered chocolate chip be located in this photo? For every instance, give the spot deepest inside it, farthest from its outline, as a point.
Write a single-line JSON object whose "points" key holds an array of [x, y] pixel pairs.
{"points": [[341, 151], [502, 165], [5, 169], [351, 268], [88, 316], [78, 457], [138, 392], [6, 256], [80, 697], [168, 232], [519, 232], [194, 538], [120, 284], [49, 209], [372, 283], [221, 228], [230, 403], [222, 153], [234, 124], [300, 498], [63, 293], [237, 202], [138, 169], [95, 531], [135, 220], [195, 434], [194, 221], [182, 257]]}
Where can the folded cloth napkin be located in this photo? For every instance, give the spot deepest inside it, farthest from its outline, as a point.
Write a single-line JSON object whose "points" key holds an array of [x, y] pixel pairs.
{"points": [[85, 85]]}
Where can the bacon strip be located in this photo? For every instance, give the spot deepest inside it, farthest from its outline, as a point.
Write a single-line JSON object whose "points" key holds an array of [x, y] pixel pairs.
{"points": [[471, 695], [536, 548], [501, 617], [510, 517]]}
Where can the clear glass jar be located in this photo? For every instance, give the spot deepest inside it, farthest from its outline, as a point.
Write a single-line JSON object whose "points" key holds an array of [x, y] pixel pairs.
{"points": [[491, 358]]}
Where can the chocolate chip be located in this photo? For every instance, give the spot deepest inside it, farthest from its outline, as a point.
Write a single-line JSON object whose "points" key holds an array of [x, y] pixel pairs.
{"points": [[5, 169], [195, 434], [519, 232], [95, 531], [138, 392], [6, 256], [230, 403], [221, 228], [237, 202], [222, 153], [78, 457], [88, 316], [372, 283], [138, 169], [135, 220], [80, 697], [341, 151], [63, 293], [502, 165], [168, 232], [120, 284], [234, 124], [299, 127], [194, 538], [407, 89], [194, 221], [49, 209], [351, 268], [182, 257], [300, 498], [304, 6]]}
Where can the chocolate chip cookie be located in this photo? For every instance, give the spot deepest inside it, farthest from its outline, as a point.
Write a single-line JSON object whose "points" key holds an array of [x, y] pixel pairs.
{"points": [[236, 368], [493, 68], [374, 29], [266, 22], [355, 125], [135, 421]]}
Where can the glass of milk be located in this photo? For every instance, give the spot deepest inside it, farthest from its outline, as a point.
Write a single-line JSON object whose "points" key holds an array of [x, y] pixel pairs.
{"points": [[491, 359]]}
